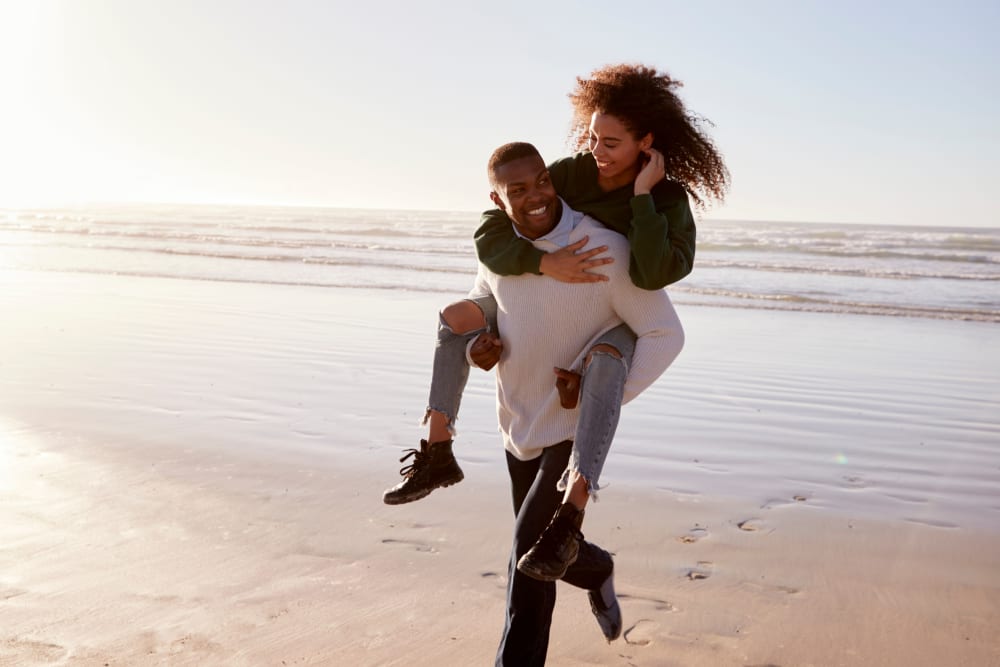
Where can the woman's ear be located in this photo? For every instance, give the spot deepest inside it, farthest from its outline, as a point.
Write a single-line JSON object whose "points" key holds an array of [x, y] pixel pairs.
{"points": [[646, 142]]}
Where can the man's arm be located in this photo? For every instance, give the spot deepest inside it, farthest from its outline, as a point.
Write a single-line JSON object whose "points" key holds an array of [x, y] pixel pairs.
{"points": [[480, 286], [485, 349], [660, 336]]}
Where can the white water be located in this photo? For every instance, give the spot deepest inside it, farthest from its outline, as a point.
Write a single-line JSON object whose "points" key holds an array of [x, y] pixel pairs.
{"points": [[918, 272]]}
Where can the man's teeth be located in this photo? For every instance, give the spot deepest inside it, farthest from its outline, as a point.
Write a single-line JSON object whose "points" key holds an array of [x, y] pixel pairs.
{"points": [[537, 211]]}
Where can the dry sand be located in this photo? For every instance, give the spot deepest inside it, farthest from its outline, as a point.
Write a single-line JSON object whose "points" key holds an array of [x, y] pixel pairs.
{"points": [[190, 475]]}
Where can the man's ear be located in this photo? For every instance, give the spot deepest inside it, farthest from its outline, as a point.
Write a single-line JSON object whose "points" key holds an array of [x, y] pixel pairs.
{"points": [[646, 142], [495, 198]]}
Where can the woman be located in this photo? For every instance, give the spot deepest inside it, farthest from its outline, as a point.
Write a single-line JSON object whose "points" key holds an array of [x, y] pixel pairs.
{"points": [[632, 130], [641, 155]]}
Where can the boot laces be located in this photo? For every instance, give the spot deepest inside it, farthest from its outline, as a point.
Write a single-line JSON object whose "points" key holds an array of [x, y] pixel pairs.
{"points": [[553, 536], [419, 459]]}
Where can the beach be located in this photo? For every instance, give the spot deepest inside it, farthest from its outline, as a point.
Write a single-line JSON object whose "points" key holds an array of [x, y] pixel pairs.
{"points": [[229, 236], [192, 470]]}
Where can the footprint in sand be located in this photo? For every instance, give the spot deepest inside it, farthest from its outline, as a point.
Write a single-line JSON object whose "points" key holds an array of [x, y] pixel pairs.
{"points": [[642, 633], [778, 502], [496, 578], [855, 481], [414, 544], [774, 589], [702, 571], [33, 652], [693, 535], [658, 604], [750, 525], [194, 644], [8, 593]]}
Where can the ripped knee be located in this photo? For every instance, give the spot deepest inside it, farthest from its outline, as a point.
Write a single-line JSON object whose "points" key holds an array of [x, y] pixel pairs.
{"points": [[603, 348], [463, 316]]}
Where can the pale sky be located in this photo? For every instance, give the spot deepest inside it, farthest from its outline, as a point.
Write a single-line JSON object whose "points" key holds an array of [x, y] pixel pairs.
{"points": [[849, 111]]}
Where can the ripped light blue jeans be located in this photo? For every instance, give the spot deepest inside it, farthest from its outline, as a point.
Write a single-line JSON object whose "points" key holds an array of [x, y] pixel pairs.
{"points": [[601, 389]]}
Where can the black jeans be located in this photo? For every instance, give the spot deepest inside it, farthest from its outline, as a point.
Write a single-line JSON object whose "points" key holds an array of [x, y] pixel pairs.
{"points": [[530, 602]]}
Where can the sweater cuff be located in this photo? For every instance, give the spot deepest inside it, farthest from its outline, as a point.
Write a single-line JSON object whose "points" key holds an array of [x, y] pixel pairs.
{"points": [[642, 205], [468, 352]]}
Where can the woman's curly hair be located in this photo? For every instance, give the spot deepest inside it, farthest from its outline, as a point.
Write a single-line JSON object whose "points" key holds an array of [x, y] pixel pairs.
{"points": [[646, 101]]}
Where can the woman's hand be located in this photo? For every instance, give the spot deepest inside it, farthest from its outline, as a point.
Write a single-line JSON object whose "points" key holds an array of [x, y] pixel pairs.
{"points": [[569, 266], [651, 173], [568, 386]]}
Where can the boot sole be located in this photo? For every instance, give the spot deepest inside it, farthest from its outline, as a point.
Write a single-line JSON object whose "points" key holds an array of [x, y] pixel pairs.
{"points": [[417, 495], [608, 618]]}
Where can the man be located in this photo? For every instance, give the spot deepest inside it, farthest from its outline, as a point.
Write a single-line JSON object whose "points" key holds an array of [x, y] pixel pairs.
{"points": [[547, 324]]}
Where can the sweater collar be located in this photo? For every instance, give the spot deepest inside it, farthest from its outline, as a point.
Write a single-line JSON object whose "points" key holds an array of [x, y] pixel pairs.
{"points": [[559, 236]]}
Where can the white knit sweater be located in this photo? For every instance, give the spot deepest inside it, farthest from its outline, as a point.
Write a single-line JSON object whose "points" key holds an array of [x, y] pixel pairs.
{"points": [[545, 323]]}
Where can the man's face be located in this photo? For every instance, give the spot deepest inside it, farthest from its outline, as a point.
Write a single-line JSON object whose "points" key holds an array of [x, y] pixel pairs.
{"points": [[523, 190]]}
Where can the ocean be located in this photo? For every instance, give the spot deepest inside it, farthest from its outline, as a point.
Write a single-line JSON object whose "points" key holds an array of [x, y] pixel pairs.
{"points": [[941, 273]]}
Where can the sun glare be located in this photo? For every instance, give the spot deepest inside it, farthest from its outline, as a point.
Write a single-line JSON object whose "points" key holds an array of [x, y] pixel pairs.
{"points": [[26, 48]]}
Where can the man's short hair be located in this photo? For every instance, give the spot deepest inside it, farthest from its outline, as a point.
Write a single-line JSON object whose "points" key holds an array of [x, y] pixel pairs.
{"points": [[515, 150]]}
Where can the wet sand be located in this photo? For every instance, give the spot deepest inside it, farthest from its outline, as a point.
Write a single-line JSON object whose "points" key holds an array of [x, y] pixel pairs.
{"points": [[190, 474]]}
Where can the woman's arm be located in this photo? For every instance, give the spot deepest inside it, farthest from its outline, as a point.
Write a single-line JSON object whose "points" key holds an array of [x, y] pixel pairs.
{"points": [[661, 237], [505, 253]]}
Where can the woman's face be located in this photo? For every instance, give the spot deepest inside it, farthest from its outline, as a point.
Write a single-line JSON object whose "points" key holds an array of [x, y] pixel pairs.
{"points": [[615, 149]]}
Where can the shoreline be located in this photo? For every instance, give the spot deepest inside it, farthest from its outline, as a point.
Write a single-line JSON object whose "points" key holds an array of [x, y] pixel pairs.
{"points": [[683, 297]]}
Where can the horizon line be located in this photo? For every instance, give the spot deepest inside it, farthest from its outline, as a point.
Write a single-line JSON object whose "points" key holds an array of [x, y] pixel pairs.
{"points": [[133, 203]]}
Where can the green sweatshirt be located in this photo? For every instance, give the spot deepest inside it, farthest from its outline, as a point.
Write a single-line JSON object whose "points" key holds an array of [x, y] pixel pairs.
{"points": [[659, 226]]}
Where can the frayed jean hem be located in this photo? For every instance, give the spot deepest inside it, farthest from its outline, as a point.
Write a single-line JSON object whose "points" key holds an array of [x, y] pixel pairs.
{"points": [[600, 407], [592, 486], [452, 429]]}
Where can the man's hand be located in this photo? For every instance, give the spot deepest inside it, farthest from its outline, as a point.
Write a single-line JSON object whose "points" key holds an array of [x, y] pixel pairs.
{"points": [[651, 173], [569, 266], [485, 352], [568, 386]]}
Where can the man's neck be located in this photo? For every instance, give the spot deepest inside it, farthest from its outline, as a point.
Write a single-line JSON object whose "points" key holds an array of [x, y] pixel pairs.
{"points": [[534, 236]]}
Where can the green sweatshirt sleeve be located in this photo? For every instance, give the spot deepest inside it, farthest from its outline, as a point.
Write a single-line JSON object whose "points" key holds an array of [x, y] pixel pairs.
{"points": [[661, 240], [501, 250]]}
